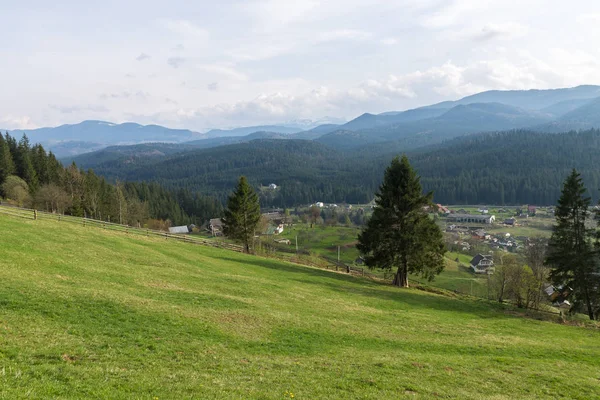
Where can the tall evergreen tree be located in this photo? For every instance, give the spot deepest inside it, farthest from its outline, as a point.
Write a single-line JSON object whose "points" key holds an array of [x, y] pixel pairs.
{"points": [[7, 166], [570, 250], [242, 214], [24, 164], [400, 233]]}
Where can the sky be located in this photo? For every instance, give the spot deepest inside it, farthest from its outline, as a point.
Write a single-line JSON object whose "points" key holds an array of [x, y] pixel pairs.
{"points": [[222, 64]]}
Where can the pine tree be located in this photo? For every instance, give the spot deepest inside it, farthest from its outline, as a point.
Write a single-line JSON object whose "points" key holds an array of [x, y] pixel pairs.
{"points": [[570, 251], [400, 234], [242, 214], [7, 166], [24, 164]]}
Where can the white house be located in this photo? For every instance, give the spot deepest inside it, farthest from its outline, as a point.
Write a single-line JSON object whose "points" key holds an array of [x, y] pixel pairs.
{"points": [[272, 186], [319, 204], [482, 264]]}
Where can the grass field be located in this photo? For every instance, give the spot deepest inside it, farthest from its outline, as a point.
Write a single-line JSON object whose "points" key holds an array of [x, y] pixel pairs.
{"points": [[86, 313], [324, 240]]}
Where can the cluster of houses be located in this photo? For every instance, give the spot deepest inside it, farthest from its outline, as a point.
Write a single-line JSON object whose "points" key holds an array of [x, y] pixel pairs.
{"points": [[320, 204], [498, 241]]}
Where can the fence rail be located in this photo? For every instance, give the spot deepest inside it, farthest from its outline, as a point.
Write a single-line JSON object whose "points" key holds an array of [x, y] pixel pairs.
{"points": [[42, 215]]}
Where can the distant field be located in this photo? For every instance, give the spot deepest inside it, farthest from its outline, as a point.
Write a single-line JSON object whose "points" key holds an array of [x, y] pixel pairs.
{"points": [[86, 313]]}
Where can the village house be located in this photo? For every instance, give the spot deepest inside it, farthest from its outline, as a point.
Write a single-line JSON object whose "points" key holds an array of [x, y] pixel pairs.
{"points": [[482, 264], [481, 234], [442, 209], [215, 227], [510, 221], [272, 186]]}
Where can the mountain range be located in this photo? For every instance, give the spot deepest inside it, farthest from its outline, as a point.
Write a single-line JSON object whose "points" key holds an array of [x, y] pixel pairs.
{"points": [[548, 111]]}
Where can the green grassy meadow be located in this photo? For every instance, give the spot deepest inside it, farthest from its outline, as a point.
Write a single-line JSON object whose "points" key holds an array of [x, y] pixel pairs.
{"points": [[323, 240], [86, 313]]}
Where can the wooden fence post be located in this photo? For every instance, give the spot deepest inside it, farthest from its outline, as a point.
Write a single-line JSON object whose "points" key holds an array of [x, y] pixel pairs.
{"points": [[35, 214]]}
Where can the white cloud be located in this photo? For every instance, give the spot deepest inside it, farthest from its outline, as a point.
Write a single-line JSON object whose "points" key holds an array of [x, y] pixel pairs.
{"points": [[226, 71], [78, 109], [142, 57], [175, 62], [14, 122], [185, 28], [344, 34], [509, 30]]}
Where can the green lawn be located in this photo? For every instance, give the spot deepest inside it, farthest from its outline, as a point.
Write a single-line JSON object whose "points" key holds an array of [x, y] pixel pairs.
{"points": [[86, 313], [324, 240]]}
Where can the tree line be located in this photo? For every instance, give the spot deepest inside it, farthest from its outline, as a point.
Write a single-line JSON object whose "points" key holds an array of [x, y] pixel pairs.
{"points": [[32, 177]]}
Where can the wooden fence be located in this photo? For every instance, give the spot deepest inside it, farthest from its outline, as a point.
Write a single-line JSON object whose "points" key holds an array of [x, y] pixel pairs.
{"points": [[94, 223]]}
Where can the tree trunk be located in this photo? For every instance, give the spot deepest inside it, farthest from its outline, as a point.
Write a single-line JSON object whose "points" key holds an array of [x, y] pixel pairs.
{"points": [[401, 277]]}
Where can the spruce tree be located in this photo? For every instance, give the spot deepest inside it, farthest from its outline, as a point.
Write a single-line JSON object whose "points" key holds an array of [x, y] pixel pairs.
{"points": [[24, 163], [7, 166], [242, 214], [570, 250], [400, 235]]}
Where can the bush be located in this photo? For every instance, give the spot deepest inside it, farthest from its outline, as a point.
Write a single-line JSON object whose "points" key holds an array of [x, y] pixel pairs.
{"points": [[16, 189]]}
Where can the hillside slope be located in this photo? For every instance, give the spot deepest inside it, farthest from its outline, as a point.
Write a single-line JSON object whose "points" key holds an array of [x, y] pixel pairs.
{"points": [[86, 313]]}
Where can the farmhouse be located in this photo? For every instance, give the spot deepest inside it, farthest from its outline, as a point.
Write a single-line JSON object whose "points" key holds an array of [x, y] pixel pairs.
{"points": [[510, 221], [481, 234], [274, 230], [481, 264], [272, 186], [442, 209], [471, 218], [215, 226]]}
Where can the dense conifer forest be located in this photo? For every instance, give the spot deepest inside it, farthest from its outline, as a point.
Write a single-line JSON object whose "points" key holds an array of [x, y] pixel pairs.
{"points": [[504, 168]]}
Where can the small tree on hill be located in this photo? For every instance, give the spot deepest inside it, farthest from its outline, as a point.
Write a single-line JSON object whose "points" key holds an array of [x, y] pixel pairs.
{"points": [[242, 214], [400, 234], [570, 251]]}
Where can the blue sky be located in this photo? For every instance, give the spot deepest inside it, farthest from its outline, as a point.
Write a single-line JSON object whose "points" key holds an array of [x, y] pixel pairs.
{"points": [[201, 64]]}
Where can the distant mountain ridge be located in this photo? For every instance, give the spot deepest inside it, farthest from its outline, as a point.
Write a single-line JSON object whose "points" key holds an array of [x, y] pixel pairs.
{"points": [[549, 111]]}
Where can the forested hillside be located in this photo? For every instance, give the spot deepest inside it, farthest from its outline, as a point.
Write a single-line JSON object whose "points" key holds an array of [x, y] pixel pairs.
{"points": [[513, 167], [31, 177], [509, 168]]}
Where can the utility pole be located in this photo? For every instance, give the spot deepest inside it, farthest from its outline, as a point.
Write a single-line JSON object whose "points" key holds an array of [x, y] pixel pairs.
{"points": [[296, 243], [338, 253]]}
